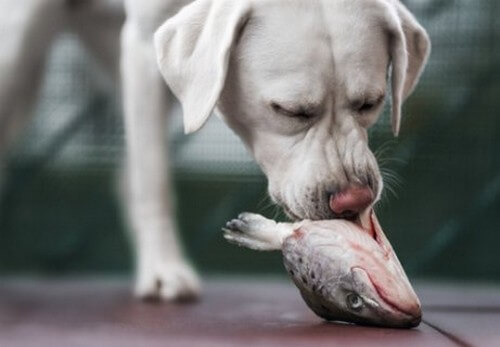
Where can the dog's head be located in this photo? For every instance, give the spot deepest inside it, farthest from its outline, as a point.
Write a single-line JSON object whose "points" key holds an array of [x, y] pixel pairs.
{"points": [[300, 82]]}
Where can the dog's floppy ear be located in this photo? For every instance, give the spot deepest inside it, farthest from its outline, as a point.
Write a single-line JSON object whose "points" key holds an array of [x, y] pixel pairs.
{"points": [[193, 50], [410, 48]]}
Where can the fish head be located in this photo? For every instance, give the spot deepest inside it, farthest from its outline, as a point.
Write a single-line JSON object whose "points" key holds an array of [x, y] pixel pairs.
{"points": [[348, 273]]}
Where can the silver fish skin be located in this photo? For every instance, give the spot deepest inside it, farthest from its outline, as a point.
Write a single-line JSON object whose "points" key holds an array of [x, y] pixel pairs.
{"points": [[344, 271]]}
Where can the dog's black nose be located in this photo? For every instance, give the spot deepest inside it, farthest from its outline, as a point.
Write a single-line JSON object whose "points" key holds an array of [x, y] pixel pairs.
{"points": [[348, 203]]}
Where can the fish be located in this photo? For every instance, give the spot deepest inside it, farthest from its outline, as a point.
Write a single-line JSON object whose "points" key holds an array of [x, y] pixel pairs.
{"points": [[345, 271]]}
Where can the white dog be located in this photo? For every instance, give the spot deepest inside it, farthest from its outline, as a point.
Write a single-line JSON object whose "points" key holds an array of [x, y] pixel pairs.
{"points": [[299, 81]]}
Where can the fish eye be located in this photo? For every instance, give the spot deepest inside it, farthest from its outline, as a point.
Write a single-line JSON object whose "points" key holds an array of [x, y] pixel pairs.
{"points": [[354, 301]]}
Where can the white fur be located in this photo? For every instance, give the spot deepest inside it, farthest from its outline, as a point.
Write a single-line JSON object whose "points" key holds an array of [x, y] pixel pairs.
{"points": [[239, 57]]}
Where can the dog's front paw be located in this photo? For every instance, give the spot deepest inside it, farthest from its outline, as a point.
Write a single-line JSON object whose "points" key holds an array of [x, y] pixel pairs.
{"points": [[252, 231], [168, 281]]}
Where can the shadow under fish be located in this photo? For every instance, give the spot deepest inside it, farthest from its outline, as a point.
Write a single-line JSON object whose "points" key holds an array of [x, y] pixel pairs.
{"points": [[345, 271]]}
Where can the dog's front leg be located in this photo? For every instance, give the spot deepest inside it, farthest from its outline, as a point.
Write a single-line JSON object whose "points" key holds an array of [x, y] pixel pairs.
{"points": [[162, 270]]}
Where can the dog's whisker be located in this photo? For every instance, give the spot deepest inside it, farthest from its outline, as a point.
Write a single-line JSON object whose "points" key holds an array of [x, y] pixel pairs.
{"points": [[392, 180], [383, 149], [390, 186], [390, 160], [277, 211], [393, 192]]}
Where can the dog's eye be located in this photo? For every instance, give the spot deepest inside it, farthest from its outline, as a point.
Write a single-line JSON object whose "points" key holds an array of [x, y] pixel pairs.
{"points": [[367, 106], [301, 112], [277, 107], [363, 106]]}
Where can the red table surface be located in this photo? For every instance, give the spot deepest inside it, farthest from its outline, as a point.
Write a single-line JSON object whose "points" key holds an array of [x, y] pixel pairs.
{"points": [[232, 312]]}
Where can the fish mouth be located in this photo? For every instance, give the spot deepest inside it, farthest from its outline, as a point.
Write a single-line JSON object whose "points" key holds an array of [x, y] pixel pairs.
{"points": [[405, 317], [411, 318], [384, 297]]}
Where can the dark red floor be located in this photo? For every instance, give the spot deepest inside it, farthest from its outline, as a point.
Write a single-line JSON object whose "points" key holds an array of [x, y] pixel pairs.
{"points": [[255, 312]]}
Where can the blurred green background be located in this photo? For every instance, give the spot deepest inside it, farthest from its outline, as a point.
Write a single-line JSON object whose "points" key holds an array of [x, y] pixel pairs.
{"points": [[59, 204]]}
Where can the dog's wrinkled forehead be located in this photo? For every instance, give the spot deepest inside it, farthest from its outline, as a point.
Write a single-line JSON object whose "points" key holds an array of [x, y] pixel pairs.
{"points": [[316, 47]]}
